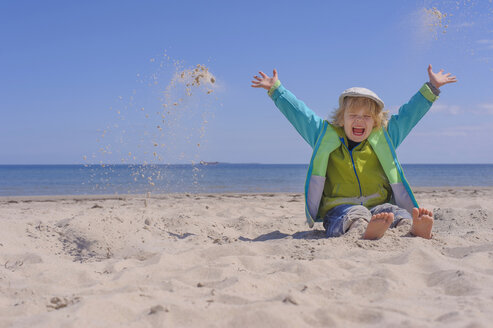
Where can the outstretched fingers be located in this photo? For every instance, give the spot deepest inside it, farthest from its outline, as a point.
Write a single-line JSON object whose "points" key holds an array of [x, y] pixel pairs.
{"points": [[440, 78], [452, 79], [256, 83], [264, 81]]}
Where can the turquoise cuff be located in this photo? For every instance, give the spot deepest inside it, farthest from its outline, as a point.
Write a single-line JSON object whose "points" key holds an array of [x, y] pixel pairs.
{"points": [[273, 88], [428, 93]]}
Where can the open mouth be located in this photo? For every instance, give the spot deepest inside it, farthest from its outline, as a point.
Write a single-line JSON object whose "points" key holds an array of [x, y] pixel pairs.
{"points": [[358, 132]]}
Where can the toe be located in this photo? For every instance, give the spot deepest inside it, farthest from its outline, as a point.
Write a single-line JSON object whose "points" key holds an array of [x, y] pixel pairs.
{"points": [[427, 212]]}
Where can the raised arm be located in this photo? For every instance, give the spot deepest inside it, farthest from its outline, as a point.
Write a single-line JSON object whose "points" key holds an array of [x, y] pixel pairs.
{"points": [[304, 120], [410, 113]]}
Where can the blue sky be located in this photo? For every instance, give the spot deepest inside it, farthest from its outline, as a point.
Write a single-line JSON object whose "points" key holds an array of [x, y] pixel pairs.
{"points": [[72, 72]]}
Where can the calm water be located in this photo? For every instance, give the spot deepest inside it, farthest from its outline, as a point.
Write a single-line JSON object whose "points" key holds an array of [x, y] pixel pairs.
{"points": [[20, 180]]}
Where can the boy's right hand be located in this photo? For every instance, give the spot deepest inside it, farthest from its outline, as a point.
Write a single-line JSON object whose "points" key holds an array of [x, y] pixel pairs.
{"points": [[265, 81]]}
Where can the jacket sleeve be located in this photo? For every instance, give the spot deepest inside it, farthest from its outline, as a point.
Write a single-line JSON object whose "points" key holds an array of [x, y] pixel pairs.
{"points": [[304, 120], [409, 114]]}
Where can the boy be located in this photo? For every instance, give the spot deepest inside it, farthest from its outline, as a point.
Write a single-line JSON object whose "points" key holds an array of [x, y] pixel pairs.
{"points": [[354, 176]]}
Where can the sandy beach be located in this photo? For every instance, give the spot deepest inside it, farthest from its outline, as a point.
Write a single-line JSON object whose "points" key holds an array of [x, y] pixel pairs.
{"points": [[239, 260]]}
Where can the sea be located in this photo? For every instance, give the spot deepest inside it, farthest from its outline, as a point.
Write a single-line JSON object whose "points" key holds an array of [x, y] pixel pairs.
{"points": [[29, 180]]}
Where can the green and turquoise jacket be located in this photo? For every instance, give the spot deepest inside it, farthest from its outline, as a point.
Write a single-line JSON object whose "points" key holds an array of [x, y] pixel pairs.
{"points": [[324, 139]]}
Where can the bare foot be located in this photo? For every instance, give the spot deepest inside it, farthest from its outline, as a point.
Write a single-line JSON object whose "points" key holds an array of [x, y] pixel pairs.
{"points": [[422, 223], [379, 223]]}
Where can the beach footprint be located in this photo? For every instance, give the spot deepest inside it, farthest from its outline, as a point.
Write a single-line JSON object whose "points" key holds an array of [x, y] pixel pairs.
{"points": [[453, 282]]}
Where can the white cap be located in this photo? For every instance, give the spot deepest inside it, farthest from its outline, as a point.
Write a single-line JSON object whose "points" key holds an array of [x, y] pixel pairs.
{"points": [[360, 92]]}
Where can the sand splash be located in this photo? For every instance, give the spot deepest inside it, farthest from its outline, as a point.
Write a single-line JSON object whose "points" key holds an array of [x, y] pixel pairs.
{"points": [[456, 26], [163, 121], [436, 21]]}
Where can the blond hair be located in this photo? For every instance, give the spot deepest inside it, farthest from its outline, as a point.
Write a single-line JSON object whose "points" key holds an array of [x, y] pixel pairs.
{"points": [[379, 116]]}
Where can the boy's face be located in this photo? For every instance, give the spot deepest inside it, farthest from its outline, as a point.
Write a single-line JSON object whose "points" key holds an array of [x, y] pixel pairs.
{"points": [[358, 123]]}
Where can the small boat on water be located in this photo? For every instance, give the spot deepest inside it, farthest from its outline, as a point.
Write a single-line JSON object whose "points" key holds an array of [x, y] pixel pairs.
{"points": [[208, 163]]}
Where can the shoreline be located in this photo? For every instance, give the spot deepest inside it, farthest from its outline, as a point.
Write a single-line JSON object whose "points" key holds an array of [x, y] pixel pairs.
{"points": [[41, 198]]}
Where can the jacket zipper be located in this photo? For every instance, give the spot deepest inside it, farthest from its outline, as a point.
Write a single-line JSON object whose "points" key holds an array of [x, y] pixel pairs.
{"points": [[354, 168]]}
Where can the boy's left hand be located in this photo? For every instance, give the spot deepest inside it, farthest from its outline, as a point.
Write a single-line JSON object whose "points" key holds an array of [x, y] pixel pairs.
{"points": [[439, 79]]}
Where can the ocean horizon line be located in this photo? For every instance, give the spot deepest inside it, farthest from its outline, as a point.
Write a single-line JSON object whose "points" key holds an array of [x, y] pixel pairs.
{"points": [[205, 164], [56, 179]]}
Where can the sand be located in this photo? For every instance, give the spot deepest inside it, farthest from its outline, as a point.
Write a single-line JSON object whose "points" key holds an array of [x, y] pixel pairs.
{"points": [[238, 260]]}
